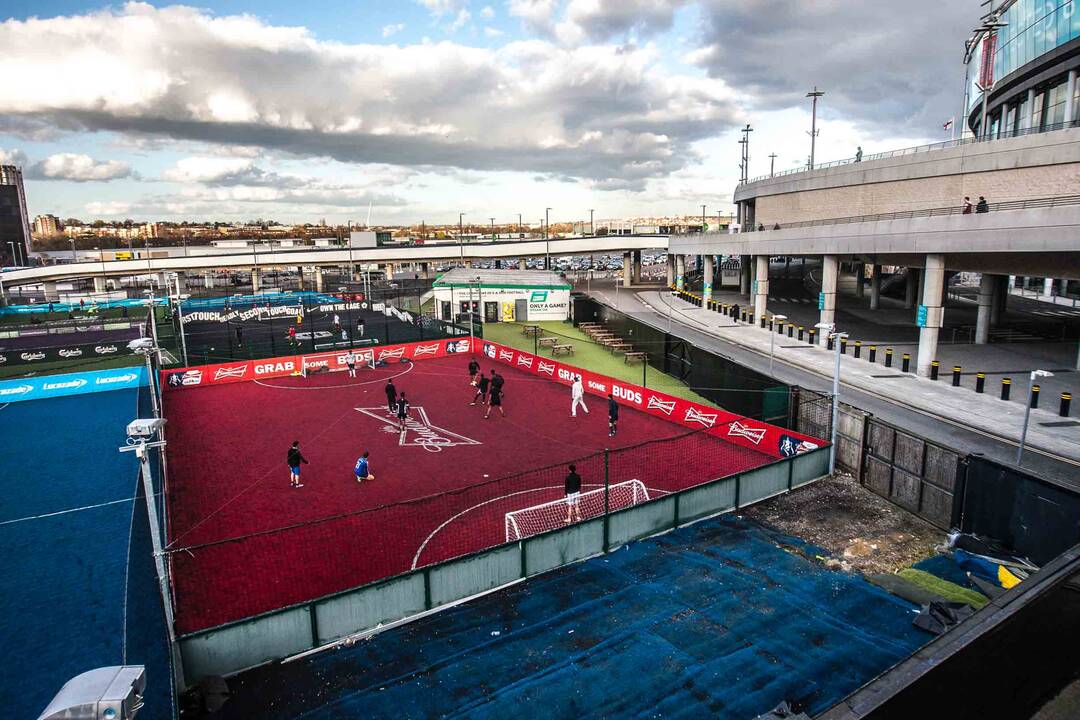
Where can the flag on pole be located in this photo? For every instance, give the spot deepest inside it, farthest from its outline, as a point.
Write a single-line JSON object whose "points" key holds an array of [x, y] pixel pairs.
{"points": [[948, 124]]}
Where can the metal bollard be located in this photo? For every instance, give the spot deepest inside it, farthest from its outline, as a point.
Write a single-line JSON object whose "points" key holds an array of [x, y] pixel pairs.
{"points": [[810, 336], [980, 382], [744, 316], [956, 376], [800, 333], [935, 366], [762, 322], [791, 330], [843, 346], [1066, 399], [829, 342], [905, 363], [873, 354], [1006, 386], [858, 349], [888, 357], [1035, 389], [771, 322]]}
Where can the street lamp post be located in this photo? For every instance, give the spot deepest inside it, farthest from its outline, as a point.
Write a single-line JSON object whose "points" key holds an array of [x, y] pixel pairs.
{"points": [[492, 229], [592, 227], [460, 239], [772, 163], [1027, 411], [837, 337], [813, 95], [547, 240], [772, 340], [703, 219]]}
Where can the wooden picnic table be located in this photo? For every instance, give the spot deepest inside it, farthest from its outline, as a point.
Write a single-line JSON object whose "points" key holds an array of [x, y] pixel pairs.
{"points": [[635, 356], [586, 325], [549, 340], [531, 330], [599, 333], [562, 350], [620, 346]]}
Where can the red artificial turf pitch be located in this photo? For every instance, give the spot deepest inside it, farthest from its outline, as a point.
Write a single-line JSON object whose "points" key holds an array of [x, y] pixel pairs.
{"points": [[230, 495]]}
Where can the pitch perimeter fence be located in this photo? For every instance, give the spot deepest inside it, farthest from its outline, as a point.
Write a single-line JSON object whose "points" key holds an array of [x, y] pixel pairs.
{"points": [[300, 587]]}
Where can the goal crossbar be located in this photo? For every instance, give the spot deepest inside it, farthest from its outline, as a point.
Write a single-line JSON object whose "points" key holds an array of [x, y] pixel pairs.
{"points": [[536, 519]]}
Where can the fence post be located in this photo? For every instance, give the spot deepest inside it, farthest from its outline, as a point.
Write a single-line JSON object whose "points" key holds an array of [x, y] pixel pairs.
{"points": [[790, 472], [738, 489], [312, 615], [956, 376], [607, 486], [1006, 385], [1066, 400]]}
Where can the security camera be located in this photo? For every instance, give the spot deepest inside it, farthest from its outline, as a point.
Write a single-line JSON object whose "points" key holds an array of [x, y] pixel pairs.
{"points": [[144, 427], [114, 693]]}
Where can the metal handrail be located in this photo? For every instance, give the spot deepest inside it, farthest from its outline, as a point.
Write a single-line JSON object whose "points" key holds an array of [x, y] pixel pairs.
{"points": [[917, 149], [934, 212]]}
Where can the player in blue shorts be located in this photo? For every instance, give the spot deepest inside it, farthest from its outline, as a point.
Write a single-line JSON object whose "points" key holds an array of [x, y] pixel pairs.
{"points": [[294, 459], [363, 472]]}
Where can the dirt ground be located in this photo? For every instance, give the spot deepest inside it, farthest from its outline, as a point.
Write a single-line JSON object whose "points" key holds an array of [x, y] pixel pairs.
{"points": [[861, 530]]}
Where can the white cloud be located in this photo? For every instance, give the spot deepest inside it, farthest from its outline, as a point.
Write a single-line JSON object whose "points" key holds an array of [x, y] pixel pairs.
{"points": [[492, 32], [442, 7], [394, 29], [78, 168], [12, 157], [597, 112], [110, 208], [461, 20], [538, 16], [487, 12]]}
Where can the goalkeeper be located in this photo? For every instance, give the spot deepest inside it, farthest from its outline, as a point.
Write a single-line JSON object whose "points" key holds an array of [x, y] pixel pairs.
{"points": [[573, 494]]}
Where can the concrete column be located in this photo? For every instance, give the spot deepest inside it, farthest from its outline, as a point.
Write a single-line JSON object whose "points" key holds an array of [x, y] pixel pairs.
{"points": [[318, 279], [521, 264], [208, 280], [680, 271], [670, 269], [254, 280], [181, 282], [1069, 92], [911, 287], [636, 266], [627, 268], [300, 275], [1029, 116], [1012, 282], [860, 275], [744, 274], [50, 291], [99, 285], [933, 291], [997, 290], [1048, 286], [760, 287], [708, 278], [830, 270], [389, 269], [875, 287], [425, 268], [986, 298]]}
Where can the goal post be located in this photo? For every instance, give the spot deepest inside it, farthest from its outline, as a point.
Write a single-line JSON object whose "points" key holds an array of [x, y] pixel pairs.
{"points": [[335, 361], [536, 519]]}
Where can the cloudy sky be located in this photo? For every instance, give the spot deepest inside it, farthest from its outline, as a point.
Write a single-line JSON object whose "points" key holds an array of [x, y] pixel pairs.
{"points": [[237, 109]]}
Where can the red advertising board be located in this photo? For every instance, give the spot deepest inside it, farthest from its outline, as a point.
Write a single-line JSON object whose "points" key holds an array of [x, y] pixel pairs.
{"points": [[737, 429], [245, 370]]}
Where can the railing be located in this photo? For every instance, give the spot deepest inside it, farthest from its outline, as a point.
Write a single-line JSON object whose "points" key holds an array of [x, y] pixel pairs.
{"points": [[934, 212], [916, 149]]}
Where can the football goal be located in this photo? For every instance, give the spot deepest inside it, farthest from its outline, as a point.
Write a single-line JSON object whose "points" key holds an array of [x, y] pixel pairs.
{"points": [[550, 515]]}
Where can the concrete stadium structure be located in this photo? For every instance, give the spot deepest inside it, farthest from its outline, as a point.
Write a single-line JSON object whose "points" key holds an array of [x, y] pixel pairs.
{"points": [[905, 210]]}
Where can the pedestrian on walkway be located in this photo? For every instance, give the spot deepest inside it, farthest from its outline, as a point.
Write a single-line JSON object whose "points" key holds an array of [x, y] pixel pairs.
{"points": [[982, 206], [968, 207], [858, 154]]}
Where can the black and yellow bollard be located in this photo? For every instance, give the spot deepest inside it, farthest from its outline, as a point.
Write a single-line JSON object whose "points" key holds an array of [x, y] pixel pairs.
{"points": [[1035, 389], [1066, 400], [956, 376], [858, 349], [829, 342], [762, 322], [873, 354], [935, 366], [843, 346], [980, 382], [780, 328], [1006, 386], [810, 336], [791, 330], [744, 316], [888, 357], [905, 363], [800, 333]]}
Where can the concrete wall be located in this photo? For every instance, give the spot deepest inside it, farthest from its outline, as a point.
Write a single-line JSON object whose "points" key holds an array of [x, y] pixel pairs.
{"points": [[1043, 165]]}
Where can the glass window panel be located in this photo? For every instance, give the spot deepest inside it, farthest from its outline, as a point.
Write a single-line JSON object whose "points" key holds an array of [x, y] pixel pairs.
{"points": [[1040, 101]]}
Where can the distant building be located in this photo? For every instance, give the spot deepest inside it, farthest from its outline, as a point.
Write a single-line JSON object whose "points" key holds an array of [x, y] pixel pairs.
{"points": [[47, 225], [14, 222]]}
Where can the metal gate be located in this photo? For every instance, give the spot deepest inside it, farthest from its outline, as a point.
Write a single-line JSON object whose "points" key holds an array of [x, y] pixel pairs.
{"points": [[916, 474]]}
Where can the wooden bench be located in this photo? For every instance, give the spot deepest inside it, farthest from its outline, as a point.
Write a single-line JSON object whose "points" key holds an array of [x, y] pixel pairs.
{"points": [[550, 340], [635, 356], [586, 325], [596, 335], [562, 350], [530, 330], [620, 346]]}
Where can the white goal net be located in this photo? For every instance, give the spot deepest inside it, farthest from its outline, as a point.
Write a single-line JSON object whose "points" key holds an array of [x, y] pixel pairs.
{"points": [[550, 515], [334, 361]]}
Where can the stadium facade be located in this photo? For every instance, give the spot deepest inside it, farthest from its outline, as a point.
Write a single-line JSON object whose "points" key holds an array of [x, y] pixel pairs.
{"points": [[1030, 66], [14, 221]]}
